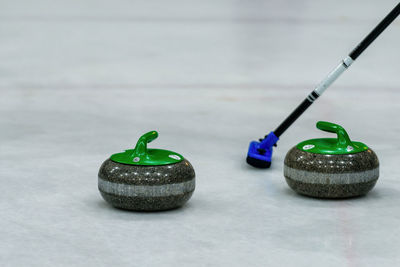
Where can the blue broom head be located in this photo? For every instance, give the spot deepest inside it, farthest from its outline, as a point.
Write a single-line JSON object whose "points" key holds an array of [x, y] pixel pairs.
{"points": [[260, 153]]}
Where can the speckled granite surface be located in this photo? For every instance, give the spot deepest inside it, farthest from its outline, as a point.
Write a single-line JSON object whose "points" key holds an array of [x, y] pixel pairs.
{"points": [[346, 163], [147, 203], [331, 176], [146, 175], [331, 190], [146, 188]]}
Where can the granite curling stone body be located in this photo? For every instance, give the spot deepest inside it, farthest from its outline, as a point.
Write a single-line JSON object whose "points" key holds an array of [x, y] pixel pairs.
{"points": [[330, 167], [146, 179]]}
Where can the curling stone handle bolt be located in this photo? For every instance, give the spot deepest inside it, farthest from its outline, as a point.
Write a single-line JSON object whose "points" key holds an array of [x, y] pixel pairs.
{"points": [[141, 145], [343, 137]]}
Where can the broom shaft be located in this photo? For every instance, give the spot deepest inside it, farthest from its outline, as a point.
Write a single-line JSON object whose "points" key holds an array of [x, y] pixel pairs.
{"points": [[334, 74]]}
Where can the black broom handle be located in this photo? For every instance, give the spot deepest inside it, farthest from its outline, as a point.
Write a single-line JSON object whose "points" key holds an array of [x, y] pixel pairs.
{"points": [[346, 62]]}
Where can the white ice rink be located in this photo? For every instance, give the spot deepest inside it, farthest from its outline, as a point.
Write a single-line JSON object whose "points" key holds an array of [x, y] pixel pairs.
{"points": [[80, 80]]}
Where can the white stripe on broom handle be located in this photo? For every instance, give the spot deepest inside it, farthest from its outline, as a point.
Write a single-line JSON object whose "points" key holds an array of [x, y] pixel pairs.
{"points": [[333, 75]]}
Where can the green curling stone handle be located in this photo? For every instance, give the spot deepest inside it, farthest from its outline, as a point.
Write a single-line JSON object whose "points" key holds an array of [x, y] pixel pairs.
{"points": [[142, 155], [141, 145], [340, 145], [343, 139]]}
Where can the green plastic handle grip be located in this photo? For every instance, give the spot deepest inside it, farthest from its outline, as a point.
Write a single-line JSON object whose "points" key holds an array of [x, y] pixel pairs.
{"points": [[141, 145], [342, 136]]}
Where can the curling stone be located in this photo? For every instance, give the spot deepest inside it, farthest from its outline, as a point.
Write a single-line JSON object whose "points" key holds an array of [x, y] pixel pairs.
{"points": [[331, 167], [145, 179]]}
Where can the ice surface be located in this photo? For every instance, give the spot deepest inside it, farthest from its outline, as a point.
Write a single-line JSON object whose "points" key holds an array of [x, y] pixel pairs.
{"points": [[80, 80]]}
